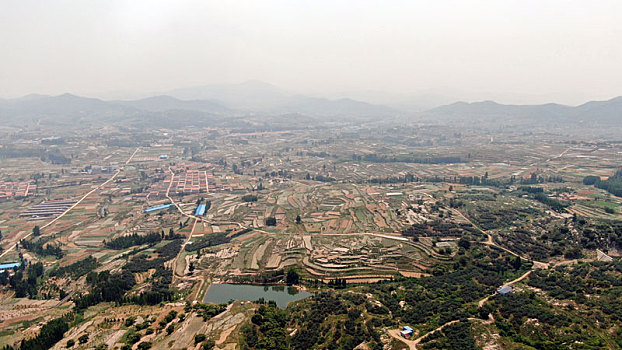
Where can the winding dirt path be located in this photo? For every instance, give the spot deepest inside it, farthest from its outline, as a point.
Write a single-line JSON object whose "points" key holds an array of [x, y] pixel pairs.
{"points": [[412, 344], [489, 241], [483, 301]]}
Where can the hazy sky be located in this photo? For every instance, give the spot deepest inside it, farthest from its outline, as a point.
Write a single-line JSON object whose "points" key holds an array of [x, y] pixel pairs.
{"points": [[511, 51]]}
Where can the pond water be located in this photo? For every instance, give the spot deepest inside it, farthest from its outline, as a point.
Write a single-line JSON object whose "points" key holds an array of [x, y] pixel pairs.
{"points": [[223, 292]]}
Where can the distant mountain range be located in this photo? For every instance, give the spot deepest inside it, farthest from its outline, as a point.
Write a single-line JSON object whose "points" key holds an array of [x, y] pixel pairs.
{"points": [[252, 98], [602, 112], [164, 103], [58, 109], [256, 96], [219, 102]]}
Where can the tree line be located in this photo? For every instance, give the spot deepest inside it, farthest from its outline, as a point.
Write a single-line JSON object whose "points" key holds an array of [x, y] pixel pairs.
{"points": [[612, 185]]}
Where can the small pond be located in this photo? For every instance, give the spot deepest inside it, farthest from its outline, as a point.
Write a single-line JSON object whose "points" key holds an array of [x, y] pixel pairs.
{"points": [[223, 292]]}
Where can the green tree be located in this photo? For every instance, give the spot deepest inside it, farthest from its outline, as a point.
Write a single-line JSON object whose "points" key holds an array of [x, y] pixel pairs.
{"points": [[208, 345], [464, 243], [144, 345], [591, 180], [517, 263], [292, 277], [198, 338]]}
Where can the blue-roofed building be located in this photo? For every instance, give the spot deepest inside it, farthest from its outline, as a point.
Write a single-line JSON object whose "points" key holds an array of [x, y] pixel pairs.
{"points": [[163, 156], [200, 210], [407, 332], [9, 266], [505, 290], [159, 207]]}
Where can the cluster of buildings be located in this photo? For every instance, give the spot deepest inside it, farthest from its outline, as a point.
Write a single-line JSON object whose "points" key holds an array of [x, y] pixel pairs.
{"points": [[192, 181], [188, 182], [16, 189]]}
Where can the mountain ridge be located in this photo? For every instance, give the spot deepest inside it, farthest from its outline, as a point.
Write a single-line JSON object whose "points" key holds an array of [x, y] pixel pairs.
{"points": [[608, 111], [259, 98]]}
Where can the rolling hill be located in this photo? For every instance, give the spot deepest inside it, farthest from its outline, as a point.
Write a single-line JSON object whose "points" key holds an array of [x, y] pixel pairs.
{"points": [[595, 112]]}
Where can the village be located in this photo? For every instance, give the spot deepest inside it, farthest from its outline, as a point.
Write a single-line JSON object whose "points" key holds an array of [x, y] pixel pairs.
{"points": [[340, 206]]}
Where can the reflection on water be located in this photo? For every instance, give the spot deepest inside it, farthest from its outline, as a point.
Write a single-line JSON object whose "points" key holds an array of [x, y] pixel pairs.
{"points": [[224, 292]]}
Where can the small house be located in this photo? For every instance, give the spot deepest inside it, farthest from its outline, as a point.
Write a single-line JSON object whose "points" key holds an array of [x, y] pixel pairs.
{"points": [[505, 290], [407, 332]]}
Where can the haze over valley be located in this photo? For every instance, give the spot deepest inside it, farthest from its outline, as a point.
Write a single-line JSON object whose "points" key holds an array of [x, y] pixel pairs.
{"points": [[288, 175]]}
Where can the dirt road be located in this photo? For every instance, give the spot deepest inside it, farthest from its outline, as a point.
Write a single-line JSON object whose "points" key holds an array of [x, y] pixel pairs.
{"points": [[76, 203], [395, 333], [483, 301]]}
